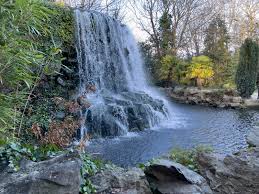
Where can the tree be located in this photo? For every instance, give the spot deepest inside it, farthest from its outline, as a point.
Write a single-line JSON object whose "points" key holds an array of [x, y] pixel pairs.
{"points": [[165, 30], [247, 68], [169, 69], [147, 15], [200, 70], [216, 47], [149, 59]]}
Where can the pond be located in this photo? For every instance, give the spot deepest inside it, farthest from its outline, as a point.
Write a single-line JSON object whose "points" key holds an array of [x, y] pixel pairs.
{"points": [[188, 126]]}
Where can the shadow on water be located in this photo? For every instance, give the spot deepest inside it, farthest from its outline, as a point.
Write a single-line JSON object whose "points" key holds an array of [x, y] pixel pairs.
{"points": [[224, 130]]}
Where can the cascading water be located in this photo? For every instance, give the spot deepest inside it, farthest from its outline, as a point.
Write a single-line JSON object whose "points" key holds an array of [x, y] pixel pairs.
{"points": [[112, 79]]}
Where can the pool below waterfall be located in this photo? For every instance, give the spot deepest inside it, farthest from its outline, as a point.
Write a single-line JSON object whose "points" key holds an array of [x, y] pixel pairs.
{"points": [[224, 130]]}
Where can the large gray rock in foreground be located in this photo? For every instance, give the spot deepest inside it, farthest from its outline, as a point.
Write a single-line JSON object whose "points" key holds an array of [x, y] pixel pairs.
{"points": [[167, 177], [121, 181], [253, 137], [234, 174], [60, 175]]}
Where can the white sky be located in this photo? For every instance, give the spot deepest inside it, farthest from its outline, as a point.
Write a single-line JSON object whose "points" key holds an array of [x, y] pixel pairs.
{"points": [[140, 35], [131, 21]]}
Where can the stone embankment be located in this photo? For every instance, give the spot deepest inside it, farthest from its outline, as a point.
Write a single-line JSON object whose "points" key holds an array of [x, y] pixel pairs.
{"points": [[219, 98]]}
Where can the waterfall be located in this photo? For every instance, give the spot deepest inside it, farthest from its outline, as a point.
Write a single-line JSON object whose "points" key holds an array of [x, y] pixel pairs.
{"points": [[112, 79]]}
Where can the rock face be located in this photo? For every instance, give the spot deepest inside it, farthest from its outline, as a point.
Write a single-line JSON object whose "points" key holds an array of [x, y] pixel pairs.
{"points": [[253, 137], [60, 175], [120, 181], [167, 177], [235, 174], [112, 79], [129, 112]]}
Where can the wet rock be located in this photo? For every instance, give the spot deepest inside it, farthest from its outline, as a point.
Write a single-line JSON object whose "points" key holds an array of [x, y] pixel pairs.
{"points": [[233, 174], [120, 181], [166, 177], [253, 137], [131, 111], [60, 115], [61, 82], [82, 101], [55, 176]]}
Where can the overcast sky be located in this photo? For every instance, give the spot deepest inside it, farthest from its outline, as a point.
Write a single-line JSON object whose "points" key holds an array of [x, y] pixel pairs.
{"points": [[129, 20], [132, 24]]}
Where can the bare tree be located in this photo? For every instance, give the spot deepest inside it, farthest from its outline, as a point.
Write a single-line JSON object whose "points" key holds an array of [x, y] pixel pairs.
{"points": [[189, 19], [147, 14], [242, 18]]}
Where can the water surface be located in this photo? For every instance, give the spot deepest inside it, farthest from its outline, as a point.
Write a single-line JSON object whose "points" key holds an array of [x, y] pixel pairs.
{"points": [[224, 130]]}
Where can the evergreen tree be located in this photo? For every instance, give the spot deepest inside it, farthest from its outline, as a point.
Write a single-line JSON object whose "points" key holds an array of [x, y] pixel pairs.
{"points": [[216, 48], [165, 32], [216, 41], [247, 68]]}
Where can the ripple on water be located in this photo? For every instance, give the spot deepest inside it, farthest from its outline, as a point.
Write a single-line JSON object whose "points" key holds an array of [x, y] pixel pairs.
{"points": [[189, 126]]}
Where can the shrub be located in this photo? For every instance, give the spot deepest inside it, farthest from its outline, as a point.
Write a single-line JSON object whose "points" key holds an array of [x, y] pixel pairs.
{"points": [[171, 69], [12, 153], [60, 133], [89, 168], [32, 37], [188, 158], [200, 69]]}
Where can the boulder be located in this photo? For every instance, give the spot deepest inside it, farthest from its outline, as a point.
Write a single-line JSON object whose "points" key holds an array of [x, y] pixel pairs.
{"points": [[233, 174], [60, 175], [166, 177], [253, 137], [237, 99], [121, 181]]}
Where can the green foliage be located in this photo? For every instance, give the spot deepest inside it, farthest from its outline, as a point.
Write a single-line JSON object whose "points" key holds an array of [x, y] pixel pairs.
{"points": [[247, 68], [40, 112], [200, 69], [165, 30], [216, 41], [149, 59], [171, 68], [12, 153], [32, 34], [89, 168], [188, 158], [216, 47], [230, 73]]}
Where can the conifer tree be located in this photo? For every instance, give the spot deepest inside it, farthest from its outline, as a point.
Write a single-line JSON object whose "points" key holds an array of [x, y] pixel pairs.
{"points": [[247, 68], [216, 48]]}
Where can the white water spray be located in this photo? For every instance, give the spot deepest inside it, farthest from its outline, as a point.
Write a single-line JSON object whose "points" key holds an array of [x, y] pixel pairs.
{"points": [[112, 78]]}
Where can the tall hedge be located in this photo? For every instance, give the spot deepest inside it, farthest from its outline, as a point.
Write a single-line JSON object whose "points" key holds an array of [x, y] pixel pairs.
{"points": [[247, 68]]}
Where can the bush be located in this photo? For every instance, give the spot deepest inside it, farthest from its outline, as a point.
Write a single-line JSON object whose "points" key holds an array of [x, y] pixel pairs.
{"points": [[201, 70], [32, 37], [172, 69], [188, 158], [89, 168], [12, 153]]}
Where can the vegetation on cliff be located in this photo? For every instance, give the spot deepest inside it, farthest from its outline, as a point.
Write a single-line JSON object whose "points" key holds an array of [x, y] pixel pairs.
{"points": [[35, 39]]}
